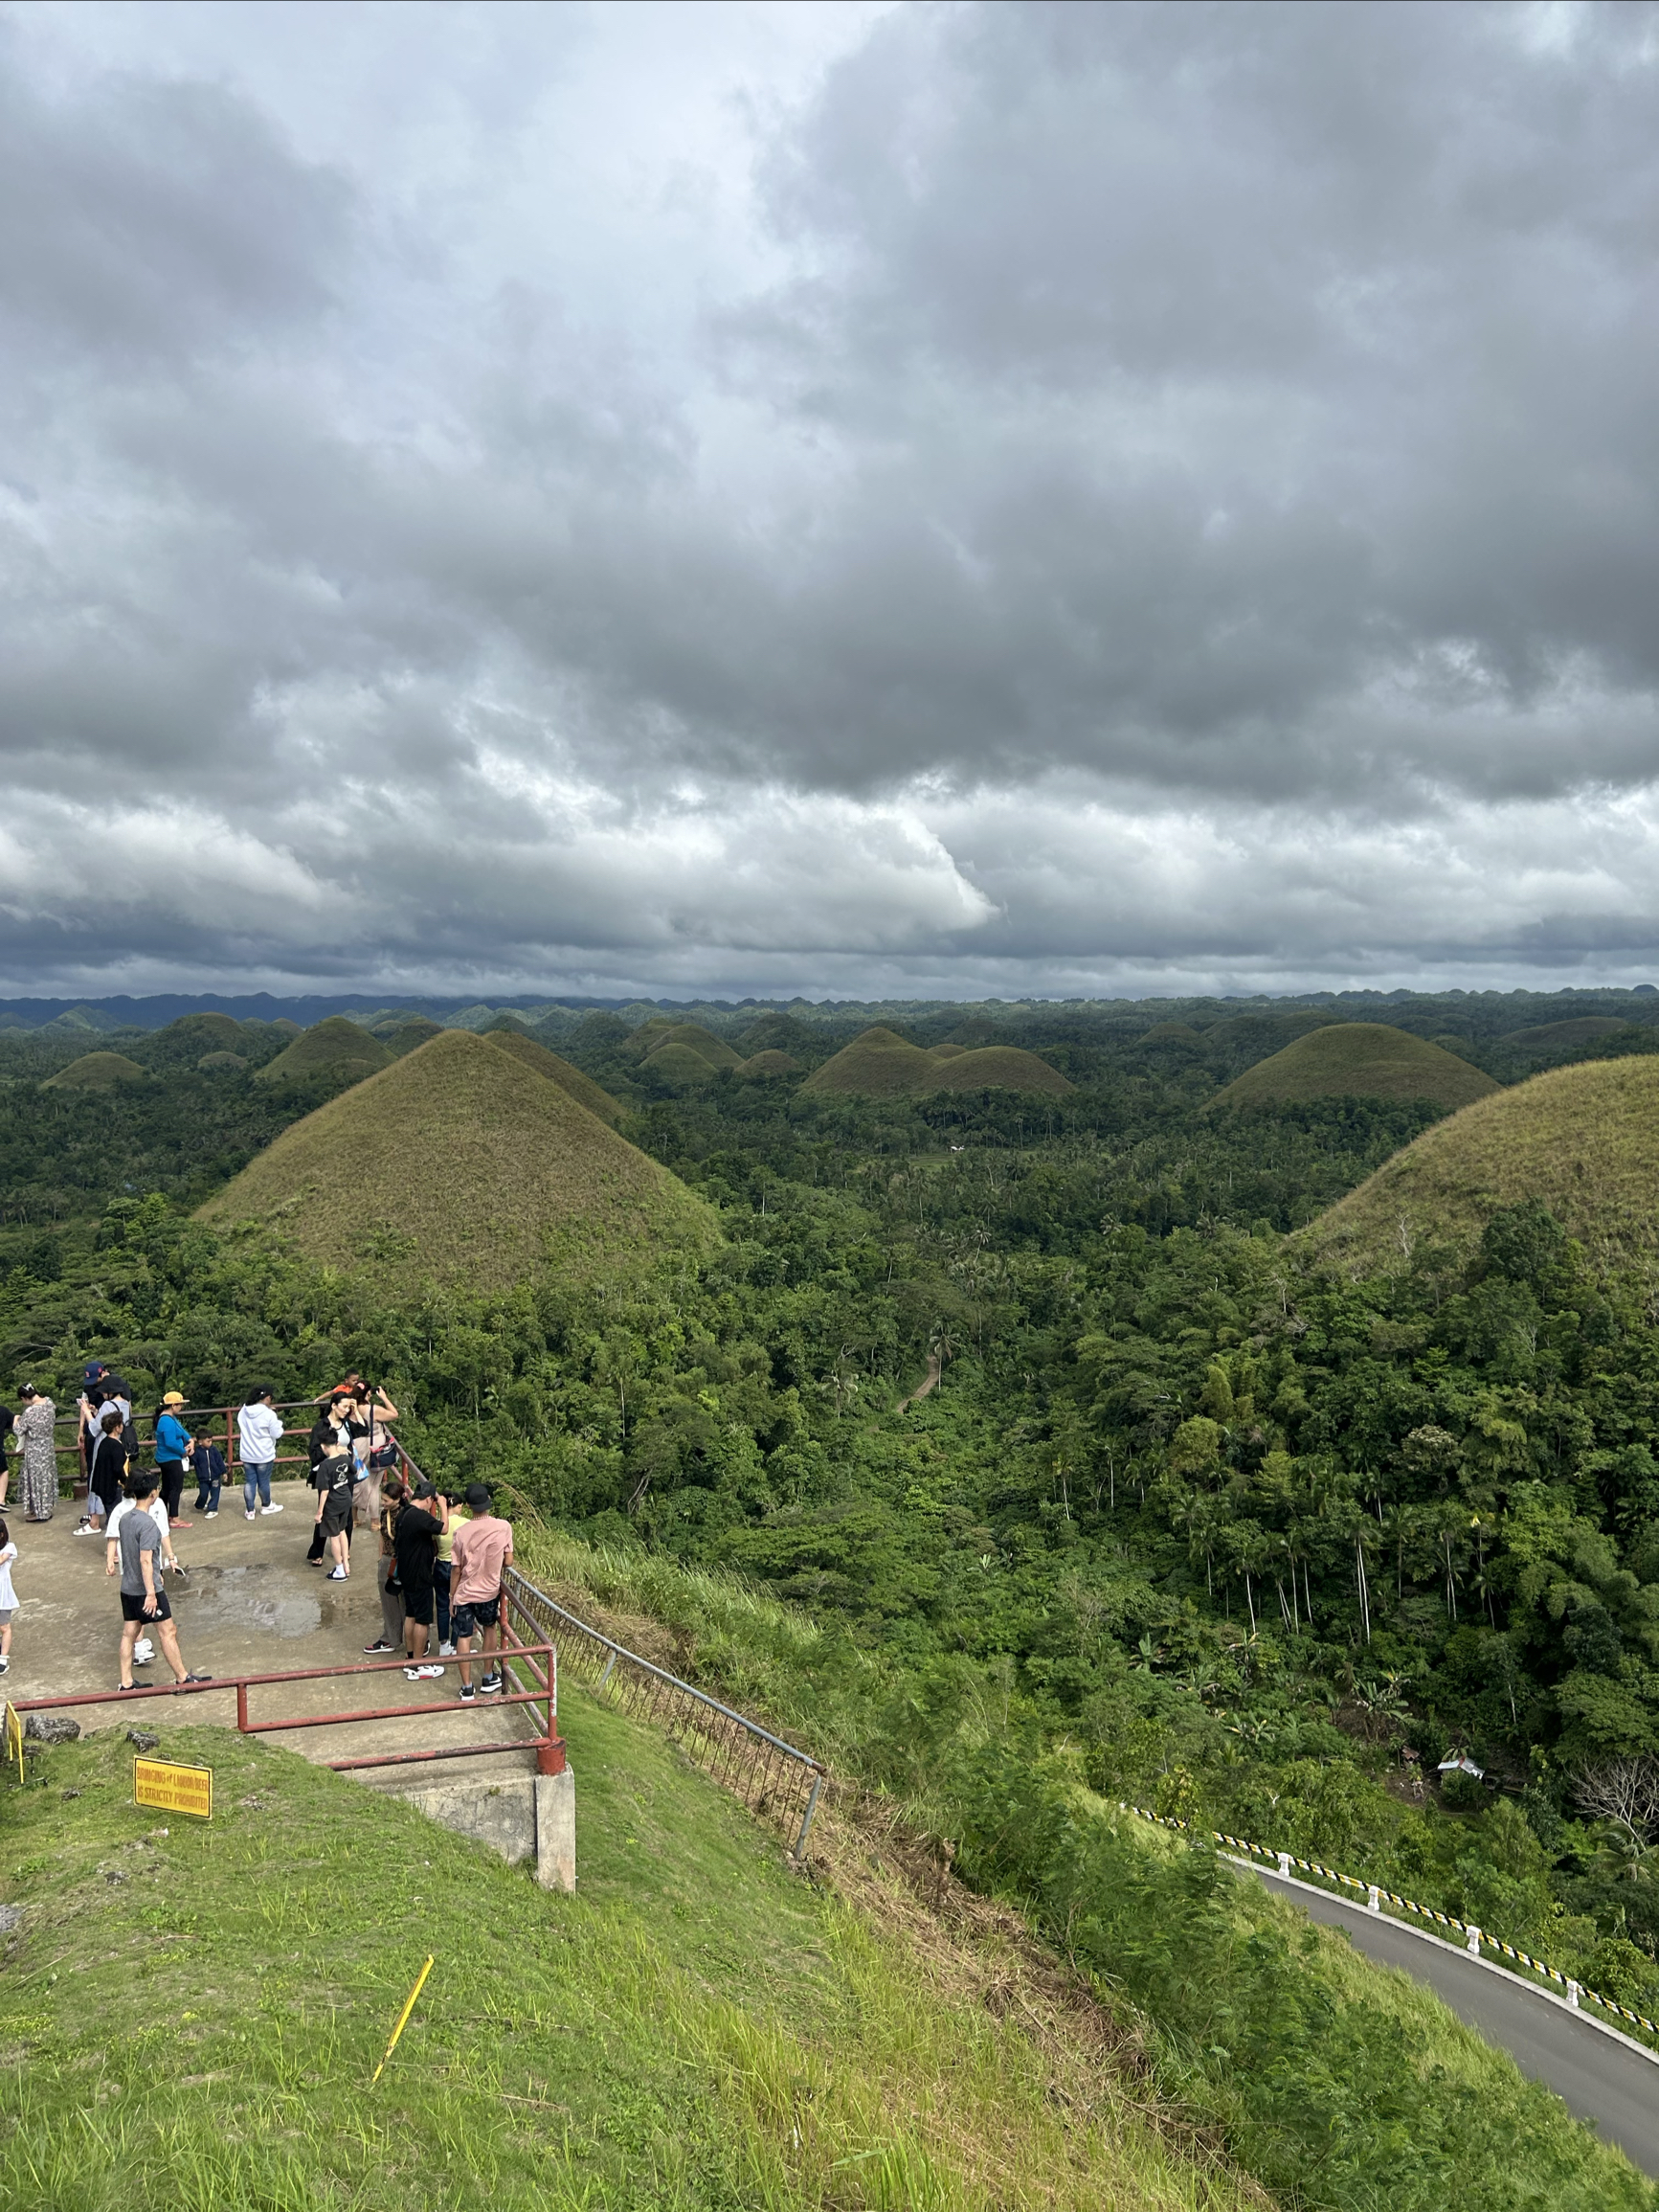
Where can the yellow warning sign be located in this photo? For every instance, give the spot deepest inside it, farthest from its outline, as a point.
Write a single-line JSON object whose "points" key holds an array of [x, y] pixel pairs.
{"points": [[173, 1788]]}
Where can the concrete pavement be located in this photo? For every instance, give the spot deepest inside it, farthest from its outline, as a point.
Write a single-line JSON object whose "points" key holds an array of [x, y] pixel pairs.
{"points": [[248, 1605]]}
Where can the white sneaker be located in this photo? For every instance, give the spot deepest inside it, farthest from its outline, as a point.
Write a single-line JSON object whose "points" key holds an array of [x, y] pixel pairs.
{"points": [[446, 1651], [251, 1515], [426, 1674], [143, 1652], [211, 1513], [270, 1509], [338, 1574], [412, 1674]]}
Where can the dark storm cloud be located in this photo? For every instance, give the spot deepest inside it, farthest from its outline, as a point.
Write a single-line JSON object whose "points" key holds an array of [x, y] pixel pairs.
{"points": [[1168, 485]]}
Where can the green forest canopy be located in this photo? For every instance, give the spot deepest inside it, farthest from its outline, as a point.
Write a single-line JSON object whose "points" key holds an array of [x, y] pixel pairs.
{"points": [[1243, 1534]]}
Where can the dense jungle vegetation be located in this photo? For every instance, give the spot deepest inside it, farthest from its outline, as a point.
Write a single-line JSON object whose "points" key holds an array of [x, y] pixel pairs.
{"points": [[1242, 1542]]}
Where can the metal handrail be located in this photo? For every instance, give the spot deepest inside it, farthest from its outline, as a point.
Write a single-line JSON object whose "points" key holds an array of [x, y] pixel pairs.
{"points": [[665, 1692], [550, 1748]]}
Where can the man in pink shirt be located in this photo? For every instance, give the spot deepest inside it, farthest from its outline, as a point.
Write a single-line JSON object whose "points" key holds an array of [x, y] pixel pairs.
{"points": [[483, 1550]]}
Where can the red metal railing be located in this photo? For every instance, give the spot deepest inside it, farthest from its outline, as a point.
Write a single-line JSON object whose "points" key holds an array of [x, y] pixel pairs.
{"points": [[190, 1415], [548, 1747]]}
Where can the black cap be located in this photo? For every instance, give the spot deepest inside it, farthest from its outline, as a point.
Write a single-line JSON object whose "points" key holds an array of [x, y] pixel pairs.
{"points": [[424, 1490], [477, 1497]]}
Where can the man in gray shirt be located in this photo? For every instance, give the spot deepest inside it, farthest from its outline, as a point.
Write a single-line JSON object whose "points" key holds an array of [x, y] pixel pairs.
{"points": [[138, 1542]]}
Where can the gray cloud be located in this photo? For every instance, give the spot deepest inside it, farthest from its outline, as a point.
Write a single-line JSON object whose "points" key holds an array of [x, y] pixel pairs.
{"points": [[1070, 493]]}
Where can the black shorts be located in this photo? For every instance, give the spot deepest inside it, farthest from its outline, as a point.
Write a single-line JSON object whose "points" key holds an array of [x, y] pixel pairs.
{"points": [[337, 1513], [133, 1608], [419, 1602], [468, 1620]]}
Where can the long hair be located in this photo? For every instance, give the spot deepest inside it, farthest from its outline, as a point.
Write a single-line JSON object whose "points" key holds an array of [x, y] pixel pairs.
{"points": [[5, 1536]]}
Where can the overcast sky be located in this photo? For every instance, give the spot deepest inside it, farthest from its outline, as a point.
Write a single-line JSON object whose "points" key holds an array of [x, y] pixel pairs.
{"points": [[851, 499]]}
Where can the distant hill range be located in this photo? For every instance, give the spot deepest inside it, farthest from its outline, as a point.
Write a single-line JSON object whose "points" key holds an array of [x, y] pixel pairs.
{"points": [[1581, 1141], [1358, 1060], [461, 1163], [880, 1064]]}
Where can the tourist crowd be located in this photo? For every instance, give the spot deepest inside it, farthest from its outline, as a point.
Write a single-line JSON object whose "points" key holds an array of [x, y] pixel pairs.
{"points": [[442, 1554]]}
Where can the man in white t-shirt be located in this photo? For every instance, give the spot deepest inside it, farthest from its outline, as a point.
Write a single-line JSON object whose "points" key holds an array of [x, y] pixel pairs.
{"points": [[262, 1432]]}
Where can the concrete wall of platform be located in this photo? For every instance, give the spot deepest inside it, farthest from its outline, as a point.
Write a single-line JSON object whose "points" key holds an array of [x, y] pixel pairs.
{"points": [[520, 1816]]}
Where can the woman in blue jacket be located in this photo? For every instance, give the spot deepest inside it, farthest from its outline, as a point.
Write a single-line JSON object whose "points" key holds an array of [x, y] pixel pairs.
{"points": [[173, 1445]]}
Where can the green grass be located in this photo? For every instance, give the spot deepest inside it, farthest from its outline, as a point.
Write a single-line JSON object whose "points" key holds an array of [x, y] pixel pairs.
{"points": [[571, 1080], [1338, 2083], [698, 2027], [333, 1051], [1563, 1036], [879, 1063], [1358, 1060], [96, 1072], [458, 1164], [1581, 1141]]}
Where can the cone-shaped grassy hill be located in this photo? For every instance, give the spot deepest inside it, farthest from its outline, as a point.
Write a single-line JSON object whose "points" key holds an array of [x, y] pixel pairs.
{"points": [[1581, 1141], [96, 1072], [768, 1063], [581, 1088], [407, 1036], [658, 1035], [879, 1063], [1358, 1060], [678, 1065], [458, 1163], [335, 1050]]}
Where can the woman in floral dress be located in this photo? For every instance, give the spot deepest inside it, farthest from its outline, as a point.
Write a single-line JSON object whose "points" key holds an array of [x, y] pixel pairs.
{"points": [[39, 1470]]}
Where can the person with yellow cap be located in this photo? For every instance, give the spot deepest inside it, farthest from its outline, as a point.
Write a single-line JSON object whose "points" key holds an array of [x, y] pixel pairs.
{"points": [[174, 1446]]}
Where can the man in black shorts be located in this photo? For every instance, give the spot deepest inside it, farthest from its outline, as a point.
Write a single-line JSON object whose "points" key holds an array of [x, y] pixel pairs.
{"points": [[334, 1472], [143, 1599], [415, 1536], [483, 1552]]}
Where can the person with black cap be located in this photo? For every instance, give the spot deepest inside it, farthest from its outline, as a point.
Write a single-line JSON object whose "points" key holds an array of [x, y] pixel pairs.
{"points": [[334, 1472], [415, 1536], [483, 1552]]}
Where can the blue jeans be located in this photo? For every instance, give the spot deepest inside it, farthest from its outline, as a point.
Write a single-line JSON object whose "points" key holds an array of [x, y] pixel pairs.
{"points": [[207, 1488], [255, 1472], [442, 1567]]}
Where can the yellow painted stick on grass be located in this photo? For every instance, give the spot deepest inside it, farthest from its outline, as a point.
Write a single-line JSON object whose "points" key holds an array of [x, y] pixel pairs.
{"points": [[402, 2021]]}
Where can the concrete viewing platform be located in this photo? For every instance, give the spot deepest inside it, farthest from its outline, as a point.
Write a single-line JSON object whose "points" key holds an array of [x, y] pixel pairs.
{"points": [[249, 1604]]}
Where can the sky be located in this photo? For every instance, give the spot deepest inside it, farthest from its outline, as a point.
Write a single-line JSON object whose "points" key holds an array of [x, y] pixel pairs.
{"points": [[859, 500]]}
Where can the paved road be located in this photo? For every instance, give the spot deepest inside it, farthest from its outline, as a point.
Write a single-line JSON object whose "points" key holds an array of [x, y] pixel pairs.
{"points": [[1600, 2080]]}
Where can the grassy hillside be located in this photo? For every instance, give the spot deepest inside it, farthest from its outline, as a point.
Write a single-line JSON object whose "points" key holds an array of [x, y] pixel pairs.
{"points": [[1358, 1060], [335, 1052], [679, 1064], [458, 1163], [768, 1063], [571, 1080], [880, 1064], [96, 1072], [1340, 2086], [193, 2013], [1582, 1141], [1001, 1067], [407, 1036]]}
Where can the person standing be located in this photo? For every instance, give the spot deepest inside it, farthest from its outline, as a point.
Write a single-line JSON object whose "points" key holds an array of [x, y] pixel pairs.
{"points": [[414, 1535], [144, 1651], [336, 1475], [137, 1549], [454, 1515], [209, 1464], [90, 1410], [375, 1412], [7, 1596], [331, 1436], [37, 1436], [483, 1550], [390, 1638], [108, 1476], [173, 1445], [260, 1430]]}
